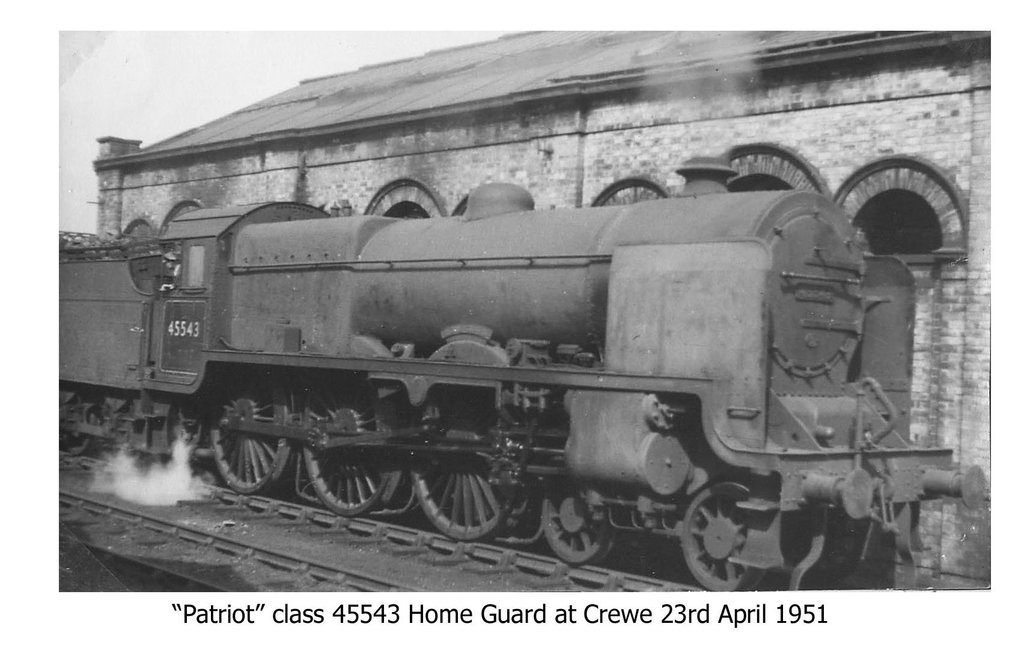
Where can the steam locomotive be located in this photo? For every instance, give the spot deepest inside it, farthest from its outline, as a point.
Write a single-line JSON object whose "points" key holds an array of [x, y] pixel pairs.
{"points": [[731, 370]]}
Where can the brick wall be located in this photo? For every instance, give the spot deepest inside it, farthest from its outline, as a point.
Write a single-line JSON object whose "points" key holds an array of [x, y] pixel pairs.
{"points": [[838, 118]]}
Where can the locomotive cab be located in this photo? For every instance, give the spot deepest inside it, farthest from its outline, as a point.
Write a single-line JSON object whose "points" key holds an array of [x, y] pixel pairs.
{"points": [[194, 289], [181, 304]]}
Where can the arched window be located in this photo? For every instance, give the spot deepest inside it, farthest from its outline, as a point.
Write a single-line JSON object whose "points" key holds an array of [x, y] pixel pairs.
{"points": [[898, 221], [904, 205], [406, 199], [772, 167], [407, 209], [139, 228], [758, 182], [628, 191], [178, 210]]}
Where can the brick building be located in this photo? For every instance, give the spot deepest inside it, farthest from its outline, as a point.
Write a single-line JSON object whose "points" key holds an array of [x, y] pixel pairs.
{"points": [[895, 127]]}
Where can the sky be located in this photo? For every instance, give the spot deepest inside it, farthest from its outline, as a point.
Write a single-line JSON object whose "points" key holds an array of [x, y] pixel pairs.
{"points": [[151, 85]]}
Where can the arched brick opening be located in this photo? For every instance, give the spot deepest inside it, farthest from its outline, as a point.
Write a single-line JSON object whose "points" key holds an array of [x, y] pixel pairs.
{"points": [[139, 228], [772, 167], [898, 221], [178, 210], [406, 199], [628, 191], [407, 209], [460, 209], [905, 205]]}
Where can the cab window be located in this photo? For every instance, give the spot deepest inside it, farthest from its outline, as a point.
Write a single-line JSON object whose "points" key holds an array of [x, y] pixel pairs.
{"points": [[195, 266]]}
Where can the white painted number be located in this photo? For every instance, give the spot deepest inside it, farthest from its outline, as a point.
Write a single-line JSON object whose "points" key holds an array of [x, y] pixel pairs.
{"points": [[181, 328]]}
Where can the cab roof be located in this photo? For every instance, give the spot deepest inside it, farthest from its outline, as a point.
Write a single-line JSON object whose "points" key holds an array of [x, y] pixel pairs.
{"points": [[214, 222]]}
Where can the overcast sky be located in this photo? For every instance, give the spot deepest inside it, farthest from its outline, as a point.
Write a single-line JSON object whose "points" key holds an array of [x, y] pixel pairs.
{"points": [[150, 86]]}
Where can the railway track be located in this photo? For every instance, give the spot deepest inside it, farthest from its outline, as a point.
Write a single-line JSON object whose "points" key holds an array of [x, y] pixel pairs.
{"points": [[302, 567], [302, 548]]}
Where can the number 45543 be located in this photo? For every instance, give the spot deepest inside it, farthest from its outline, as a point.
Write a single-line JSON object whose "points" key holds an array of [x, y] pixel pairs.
{"points": [[182, 328]]}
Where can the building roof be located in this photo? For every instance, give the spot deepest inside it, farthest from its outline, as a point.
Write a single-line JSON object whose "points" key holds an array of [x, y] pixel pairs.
{"points": [[516, 68]]}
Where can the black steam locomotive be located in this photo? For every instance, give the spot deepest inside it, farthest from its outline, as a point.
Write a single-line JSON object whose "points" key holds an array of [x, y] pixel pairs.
{"points": [[731, 370]]}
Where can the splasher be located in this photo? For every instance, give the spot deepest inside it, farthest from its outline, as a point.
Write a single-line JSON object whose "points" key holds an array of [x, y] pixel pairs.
{"points": [[156, 484]]}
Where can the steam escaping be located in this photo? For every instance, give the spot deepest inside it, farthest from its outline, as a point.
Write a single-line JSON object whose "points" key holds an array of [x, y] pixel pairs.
{"points": [[156, 484]]}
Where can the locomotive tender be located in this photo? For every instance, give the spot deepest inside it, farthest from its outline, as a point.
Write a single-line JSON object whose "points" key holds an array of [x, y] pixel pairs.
{"points": [[729, 369]]}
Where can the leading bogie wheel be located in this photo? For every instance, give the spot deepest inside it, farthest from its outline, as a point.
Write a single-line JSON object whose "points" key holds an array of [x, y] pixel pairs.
{"points": [[713, 532], [575, 533], [458, 499], [250, 463]]}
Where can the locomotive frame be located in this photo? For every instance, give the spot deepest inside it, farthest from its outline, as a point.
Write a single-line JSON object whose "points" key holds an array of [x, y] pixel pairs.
{"points": [[671, 397]]}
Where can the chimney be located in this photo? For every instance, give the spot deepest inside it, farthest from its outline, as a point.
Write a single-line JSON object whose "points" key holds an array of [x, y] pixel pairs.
{"points": [[112, 147], [706, 174], [342, 208]]}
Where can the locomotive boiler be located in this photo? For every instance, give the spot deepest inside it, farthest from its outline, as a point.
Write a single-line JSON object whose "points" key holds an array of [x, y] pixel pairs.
{"points": [[732, 370]]}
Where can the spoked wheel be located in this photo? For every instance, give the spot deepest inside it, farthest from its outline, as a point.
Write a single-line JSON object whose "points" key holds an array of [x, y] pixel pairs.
{"points": [[525, 523], [572, 530], [399, 498], [713, 532], [458, 499], [349, 481], [250, 463]]}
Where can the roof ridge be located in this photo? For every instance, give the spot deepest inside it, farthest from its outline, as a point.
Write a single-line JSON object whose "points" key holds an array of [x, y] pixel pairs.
{"points": [[548, 64], [441, 50]]}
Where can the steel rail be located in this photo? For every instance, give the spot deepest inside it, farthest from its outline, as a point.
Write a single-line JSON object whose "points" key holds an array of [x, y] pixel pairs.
{"points": [[278, 559], [586, 577], [158, 567], [590, 578]]}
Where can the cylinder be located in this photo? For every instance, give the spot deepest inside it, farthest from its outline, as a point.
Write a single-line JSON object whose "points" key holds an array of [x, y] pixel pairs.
{"points": [[612, 444]]}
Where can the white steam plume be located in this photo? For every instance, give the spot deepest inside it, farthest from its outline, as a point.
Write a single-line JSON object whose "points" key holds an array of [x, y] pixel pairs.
{"points": [[152, 484]]}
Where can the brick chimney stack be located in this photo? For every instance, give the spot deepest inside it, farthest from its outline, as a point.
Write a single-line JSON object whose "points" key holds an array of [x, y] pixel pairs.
{"points": [[115, 146]]}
